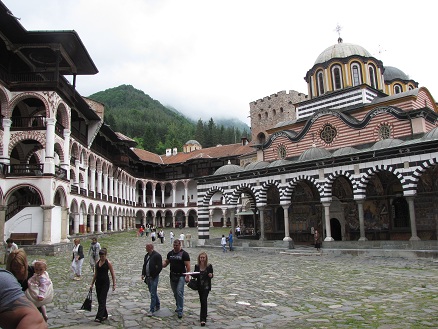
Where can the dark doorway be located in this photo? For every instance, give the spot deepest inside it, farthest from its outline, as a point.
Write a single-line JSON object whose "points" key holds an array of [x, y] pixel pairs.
{"points": [[336, 229]]}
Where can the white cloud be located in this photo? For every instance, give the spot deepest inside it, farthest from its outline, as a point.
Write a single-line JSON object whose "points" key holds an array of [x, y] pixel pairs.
{"points": [[212, 58]]}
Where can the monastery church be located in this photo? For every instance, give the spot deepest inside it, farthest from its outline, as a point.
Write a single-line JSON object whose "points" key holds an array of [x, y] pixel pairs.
{"points": [[354, 157]]}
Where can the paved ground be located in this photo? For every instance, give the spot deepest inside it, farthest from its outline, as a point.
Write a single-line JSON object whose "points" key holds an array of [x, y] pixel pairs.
{"points": [[254, 289]]}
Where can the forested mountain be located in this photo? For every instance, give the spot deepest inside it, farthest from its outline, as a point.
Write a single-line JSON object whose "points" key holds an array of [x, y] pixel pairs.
{"points": [[156, 127]]}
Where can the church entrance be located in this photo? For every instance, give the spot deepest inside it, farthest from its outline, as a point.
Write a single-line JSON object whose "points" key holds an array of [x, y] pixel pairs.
{"points": [[336, 229]]}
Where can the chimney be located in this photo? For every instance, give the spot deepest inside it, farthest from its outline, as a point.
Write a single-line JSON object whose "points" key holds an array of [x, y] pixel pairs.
{"points": [[168, 152], [244, 140], [175, 151]]}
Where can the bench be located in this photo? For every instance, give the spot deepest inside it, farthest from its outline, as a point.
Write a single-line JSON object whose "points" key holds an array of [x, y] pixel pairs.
{"points": [[24, 238]]}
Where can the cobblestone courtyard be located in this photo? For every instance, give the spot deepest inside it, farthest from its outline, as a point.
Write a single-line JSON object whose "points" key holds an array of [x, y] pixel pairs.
{"points": [[257, 290]]}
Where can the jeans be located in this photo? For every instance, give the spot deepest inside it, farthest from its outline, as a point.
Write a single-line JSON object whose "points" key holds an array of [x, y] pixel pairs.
{"points": [[178, 293], [224, 248], [152, 286], [231, 245]]}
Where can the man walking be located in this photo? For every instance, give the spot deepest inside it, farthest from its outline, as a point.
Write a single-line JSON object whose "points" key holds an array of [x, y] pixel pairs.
{"points": [[179, 261], [153, 263]]}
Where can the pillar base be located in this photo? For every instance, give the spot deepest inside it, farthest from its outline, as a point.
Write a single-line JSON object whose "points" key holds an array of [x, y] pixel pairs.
{"points": [[329, 238], [363, 239], [287, 238], [414, 238]]}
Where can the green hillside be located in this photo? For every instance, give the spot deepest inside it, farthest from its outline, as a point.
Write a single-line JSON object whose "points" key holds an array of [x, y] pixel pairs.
{"points": [[156, 127]]}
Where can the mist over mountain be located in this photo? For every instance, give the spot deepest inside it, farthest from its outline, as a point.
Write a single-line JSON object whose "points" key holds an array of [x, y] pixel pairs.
{"points": [[156, 127]]}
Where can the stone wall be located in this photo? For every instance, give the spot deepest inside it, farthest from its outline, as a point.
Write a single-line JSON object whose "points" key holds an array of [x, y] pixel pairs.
{"points": [[265, 113]]}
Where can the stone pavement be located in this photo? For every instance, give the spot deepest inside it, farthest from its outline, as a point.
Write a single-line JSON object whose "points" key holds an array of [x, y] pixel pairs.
{"points": [[254, 289]]}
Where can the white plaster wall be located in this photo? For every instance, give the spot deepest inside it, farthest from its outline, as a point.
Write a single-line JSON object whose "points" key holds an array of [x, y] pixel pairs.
{"points": [[29, 220]]}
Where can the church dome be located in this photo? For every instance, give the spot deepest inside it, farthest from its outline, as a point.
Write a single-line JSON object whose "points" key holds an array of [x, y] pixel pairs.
{"points": [[345, 151], [281, 162], [193, 142], [431, 135], [385, 143], [393, 73], [257, 165], [228, 169], [314, 153], [341, 50]]}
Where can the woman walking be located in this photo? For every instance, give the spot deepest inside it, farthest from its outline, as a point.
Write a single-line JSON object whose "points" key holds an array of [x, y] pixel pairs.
{"points": [[101, 279], [204, 283], [93, 253], [77, 260]]}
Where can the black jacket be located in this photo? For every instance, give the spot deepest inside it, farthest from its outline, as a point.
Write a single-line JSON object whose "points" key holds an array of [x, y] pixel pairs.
{"points": [[155, 264], [80, 253]]}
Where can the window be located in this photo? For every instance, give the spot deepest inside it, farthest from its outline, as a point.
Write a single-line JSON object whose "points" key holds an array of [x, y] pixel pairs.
{"points": [[372, 73], [281, 152], [397, 89], [355, 72], [384, 131], [320, 81], [336, 74], [328, 133]]}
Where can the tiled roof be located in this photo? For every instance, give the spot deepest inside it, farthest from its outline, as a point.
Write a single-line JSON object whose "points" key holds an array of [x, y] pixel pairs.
{"points": [[231, 150], [148, 156], [124, 137]]}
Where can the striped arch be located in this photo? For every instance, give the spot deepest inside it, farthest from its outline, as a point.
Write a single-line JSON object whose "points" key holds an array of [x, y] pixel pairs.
{"points": [[263, 192], [287, 195], [3, 101], [361, 188], [332, 177], [24, 185], [234, 199], [26, 135], [207, 196], [24, 96], [416, 175]]}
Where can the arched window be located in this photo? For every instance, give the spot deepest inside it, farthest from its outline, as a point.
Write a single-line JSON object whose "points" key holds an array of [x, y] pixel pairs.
{"points": [[397, 89], [320, 81], [337, 77], [372, 73], [355, 74]]}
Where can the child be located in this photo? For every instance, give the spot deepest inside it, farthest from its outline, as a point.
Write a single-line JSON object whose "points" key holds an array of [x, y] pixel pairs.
{"points": [[224, 243], [10, 246], [40, 290]]}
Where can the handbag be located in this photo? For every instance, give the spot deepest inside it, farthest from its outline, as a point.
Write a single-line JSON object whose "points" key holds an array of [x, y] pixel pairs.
{"points": [[193, 284], [87, 303]]}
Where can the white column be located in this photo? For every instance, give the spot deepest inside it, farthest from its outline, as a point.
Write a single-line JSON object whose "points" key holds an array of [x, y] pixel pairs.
{"points": [[361, 220], [99, 183], [47, 224], [186, 194], [66, 164], [162, 194], [262, 222], [111, 187], [414, 236], [173, 194], [77, 171], [49, 163], [92, 223], [76, 223], [6, 139], [105, 185], [224, 216], [144, 194], [93, 181], [154, 188], [286, 223], [328, 229], [99, 223]]}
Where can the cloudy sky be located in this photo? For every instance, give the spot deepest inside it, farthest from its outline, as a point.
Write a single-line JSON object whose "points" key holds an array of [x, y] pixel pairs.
{"points": [[212, 58]]}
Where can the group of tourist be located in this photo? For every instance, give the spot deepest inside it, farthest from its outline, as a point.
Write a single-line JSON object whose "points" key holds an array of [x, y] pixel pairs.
{"points": [[180, 274], [26, 289]]}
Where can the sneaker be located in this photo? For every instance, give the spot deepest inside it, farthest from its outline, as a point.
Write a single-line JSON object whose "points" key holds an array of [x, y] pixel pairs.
{"points": [[150, 314], [179, 315], [157, 308]]}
